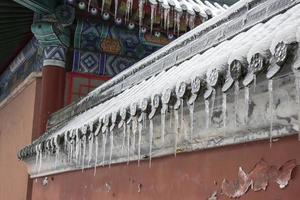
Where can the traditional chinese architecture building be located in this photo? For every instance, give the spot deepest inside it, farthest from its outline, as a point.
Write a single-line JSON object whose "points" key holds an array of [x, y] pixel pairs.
{"points": [[158, 99]]}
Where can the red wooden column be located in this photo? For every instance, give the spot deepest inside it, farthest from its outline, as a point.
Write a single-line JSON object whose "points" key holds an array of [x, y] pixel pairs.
{"points": [[53, 83]]}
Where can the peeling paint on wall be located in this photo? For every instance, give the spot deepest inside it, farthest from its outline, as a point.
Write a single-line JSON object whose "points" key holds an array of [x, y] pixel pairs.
{"points": [[258, 178]]}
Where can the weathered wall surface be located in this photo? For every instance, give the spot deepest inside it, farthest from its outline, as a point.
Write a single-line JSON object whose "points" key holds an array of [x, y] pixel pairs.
{"points": [[16, 130], [188, 176]]}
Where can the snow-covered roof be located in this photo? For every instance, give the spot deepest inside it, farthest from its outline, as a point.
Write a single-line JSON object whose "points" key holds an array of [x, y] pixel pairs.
{"points": [[234, 59], [261, 38], [192, 6]]}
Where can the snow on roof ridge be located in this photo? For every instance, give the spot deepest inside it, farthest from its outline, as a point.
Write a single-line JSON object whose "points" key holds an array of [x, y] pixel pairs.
{"points": [[133, 94]]}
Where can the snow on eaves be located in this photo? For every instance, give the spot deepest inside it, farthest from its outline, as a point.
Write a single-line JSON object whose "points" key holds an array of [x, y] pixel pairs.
{"points": [[260, 38]]}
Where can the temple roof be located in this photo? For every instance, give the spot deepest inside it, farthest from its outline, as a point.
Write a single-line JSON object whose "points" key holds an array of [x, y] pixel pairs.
{"points": [[261, 38], [250, 38]]}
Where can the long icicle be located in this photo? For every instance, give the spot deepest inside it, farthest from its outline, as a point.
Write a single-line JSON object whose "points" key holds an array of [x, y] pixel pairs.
{"points": [[247, 100], [71, 153], [224, 108], [36, 157], [139, 142], [176, 131], [178, 16], [270, 89], [163, 125], [182, 124], [116, 8], [254, 83], [128, 144], [150, 141], [96, 155], [297, 84], [111, 146], [141, 7], [153, 7], [191, 109], [213, 99], [134, 130], [56, 157], [104, 140], [206, 102], [83, 152], [236, 98], [91, 142], [124, 136], [102, 8]]}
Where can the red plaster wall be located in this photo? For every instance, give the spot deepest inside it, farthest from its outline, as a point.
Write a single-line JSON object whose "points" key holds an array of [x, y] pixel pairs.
{"points": [[16, 129], [188, 176]]}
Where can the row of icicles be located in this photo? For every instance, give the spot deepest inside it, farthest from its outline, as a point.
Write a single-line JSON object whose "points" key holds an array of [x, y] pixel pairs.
{"points": [[164, 13], [75, 141], [78, 150]]}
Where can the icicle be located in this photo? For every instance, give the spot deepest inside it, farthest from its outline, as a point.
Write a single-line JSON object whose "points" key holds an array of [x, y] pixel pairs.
{"points": [[213, 100], [192, 21], [168, 22], [174, 22], [176, 131], [128, 9], [150, 141], [191, 109], [270, 89], [71, 153], [104, 140], [89, 4], [139, 142], [153, 8], [166, 18], [171, 114], [67, 149], [56, 157], [186, 21], [247, 98], [144, 120], [128, 144], [178, 16], [134, 130], [224, 109], [161, 19], [206, 102], [297, 83], [236, 98], [111, 146], [116, 8], [102, 8], [83, 152], [40, 162], [36, 157], [66, 144], [163, 125], [77, 146], [141, 7], [96, 155], [254, 83], [124, 136], [182, 125], [91, 142]]}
